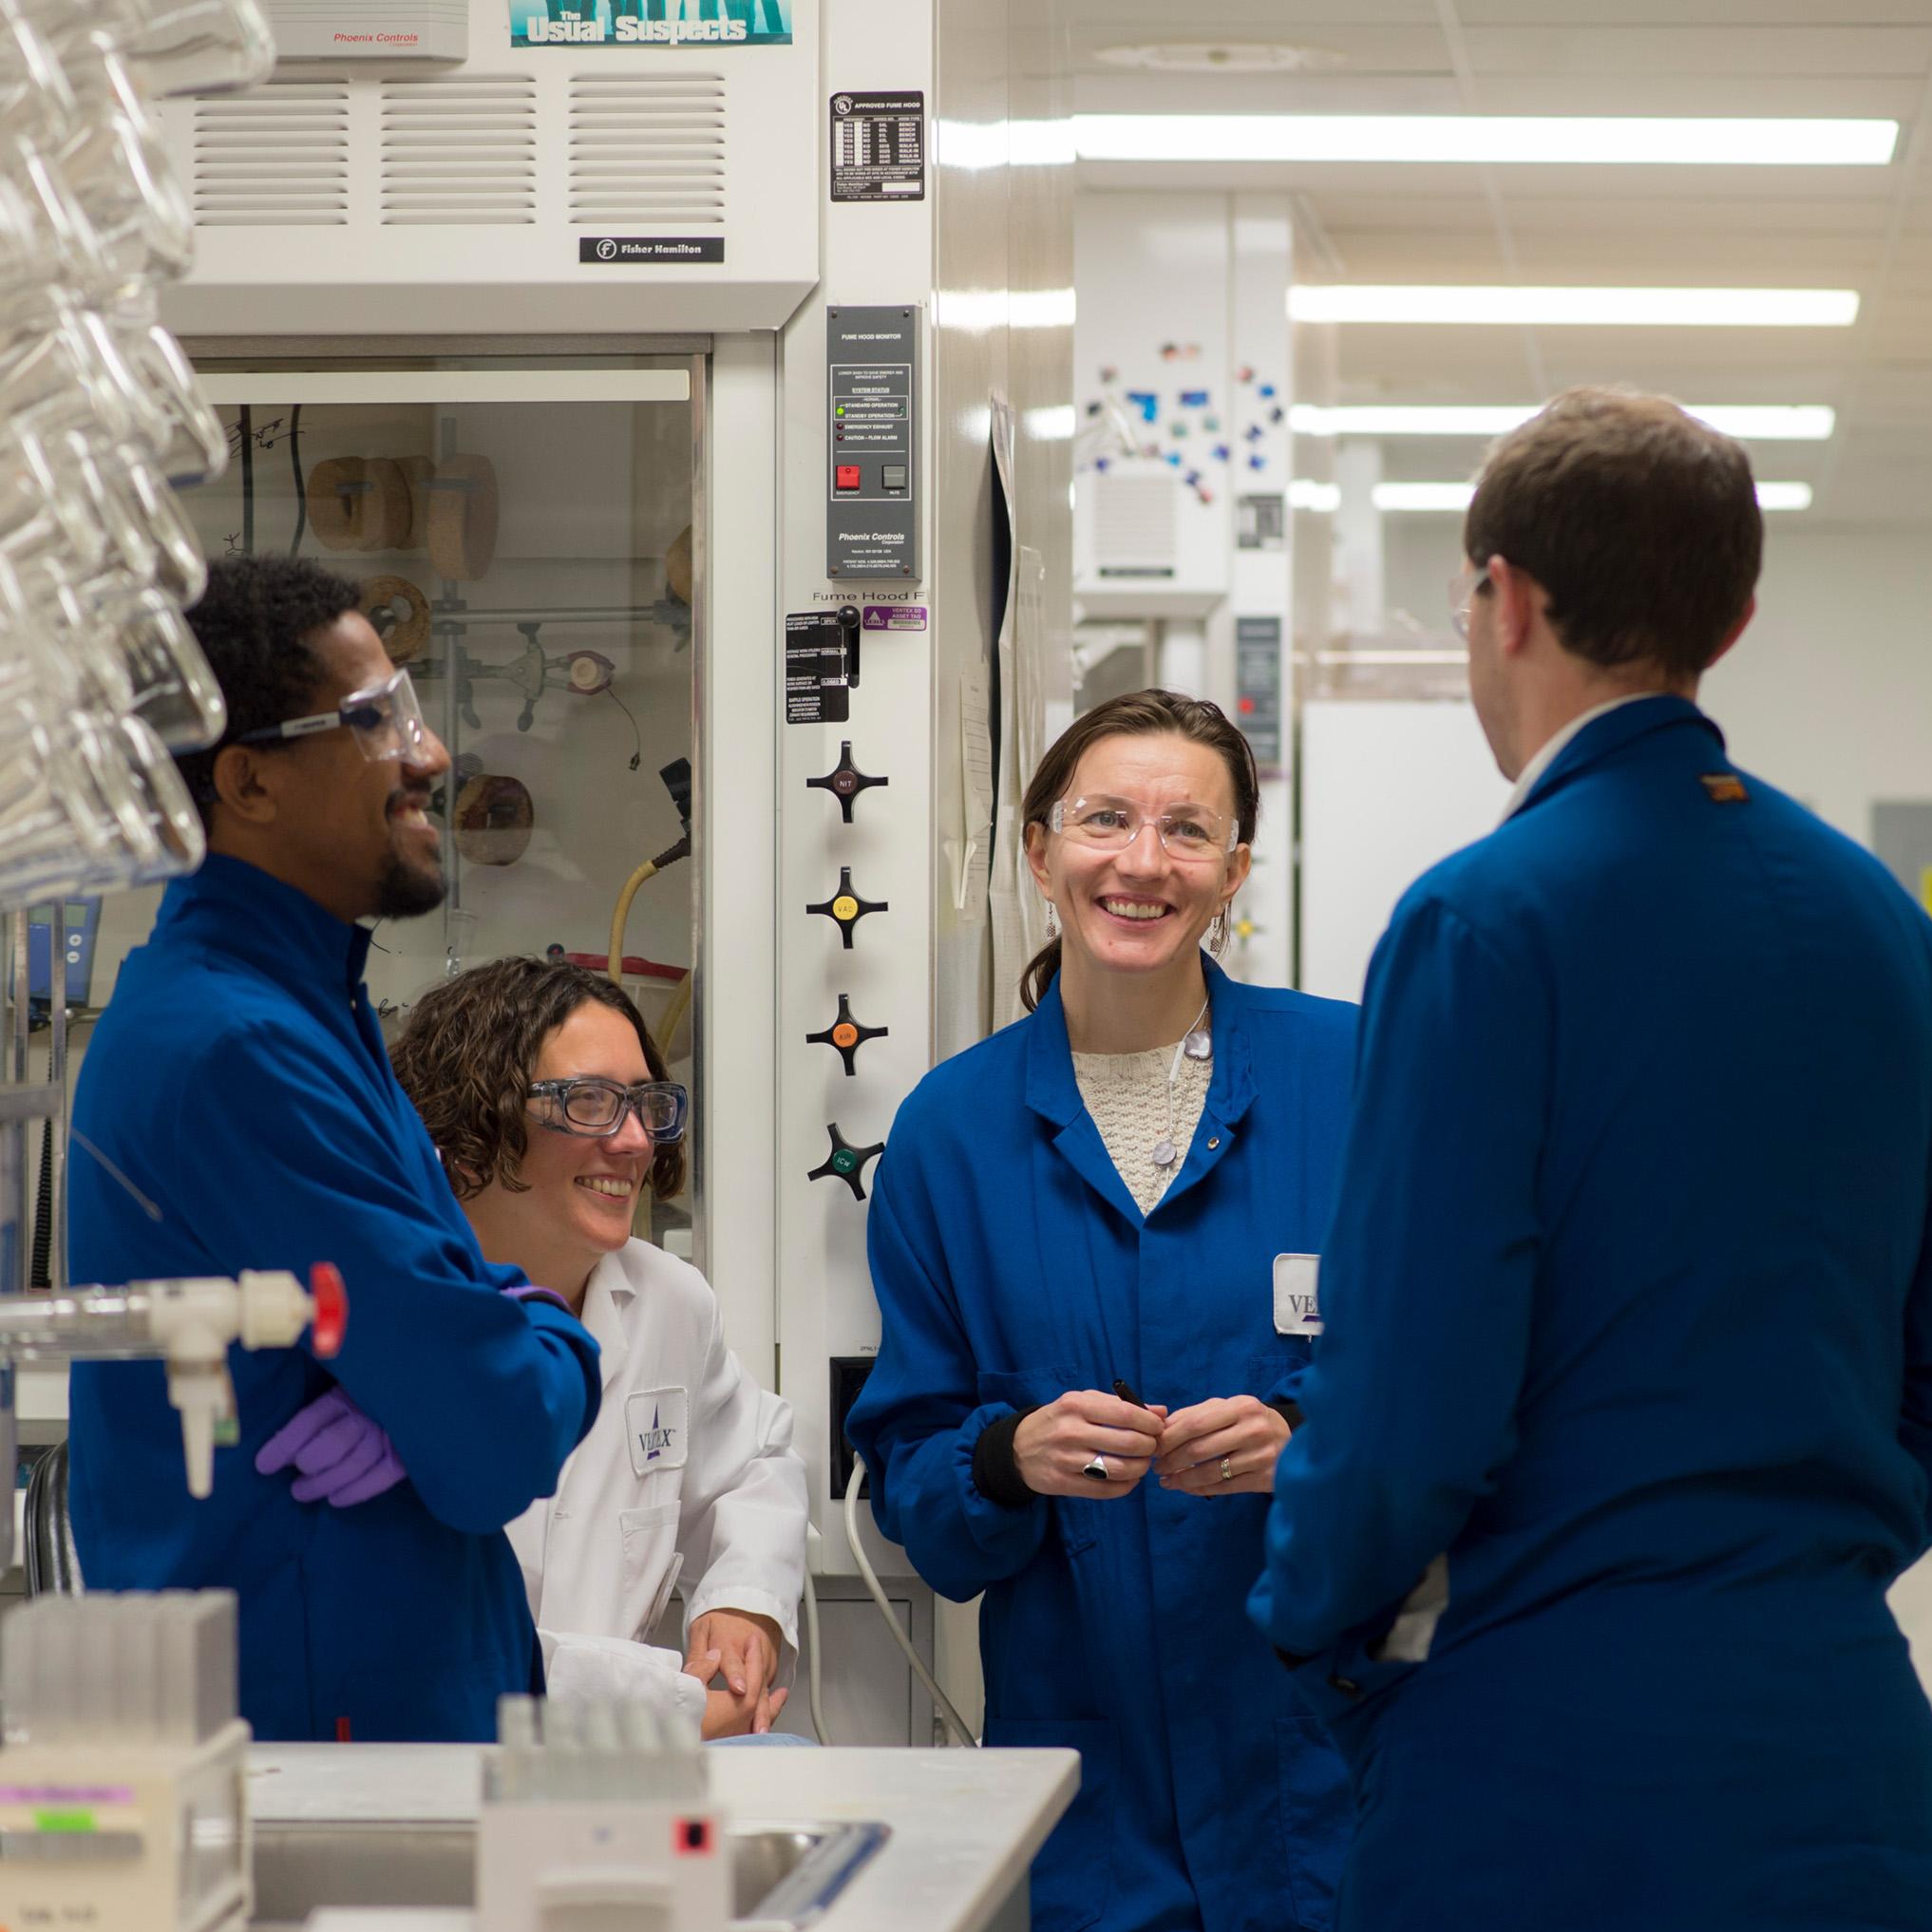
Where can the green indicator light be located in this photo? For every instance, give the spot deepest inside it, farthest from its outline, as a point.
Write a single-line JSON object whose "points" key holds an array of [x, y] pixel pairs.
{"points": [[840, 411], [71, 1822]]}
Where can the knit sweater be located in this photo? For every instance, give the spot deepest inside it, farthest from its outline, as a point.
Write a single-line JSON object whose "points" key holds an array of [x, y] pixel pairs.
{"points": [[1126, 1095]]}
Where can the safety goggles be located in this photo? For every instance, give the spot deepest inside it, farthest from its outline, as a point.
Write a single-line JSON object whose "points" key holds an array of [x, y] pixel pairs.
{"points": [[596, 1108], [1192, 833], [386, 718]]}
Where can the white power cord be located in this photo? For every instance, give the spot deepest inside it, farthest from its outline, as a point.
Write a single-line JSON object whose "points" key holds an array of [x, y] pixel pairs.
{"points": [[942, 1703], [813, 1703]]}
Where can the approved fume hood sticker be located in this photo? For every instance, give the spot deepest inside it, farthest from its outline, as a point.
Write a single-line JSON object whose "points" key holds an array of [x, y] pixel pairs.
{"points": [[632, 251], [651, 23], [878, 147]]}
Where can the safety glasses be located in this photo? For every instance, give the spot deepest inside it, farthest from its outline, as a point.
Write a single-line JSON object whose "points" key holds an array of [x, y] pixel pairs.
{"points": [[1192, 833], [596, 1108], [386, 718]]}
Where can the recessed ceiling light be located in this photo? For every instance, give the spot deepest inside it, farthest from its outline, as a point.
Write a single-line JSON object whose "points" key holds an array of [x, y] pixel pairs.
{"points": [[1577, 308], [1455, 496], [1606, 140], [1221, 57], [1761, 423]]}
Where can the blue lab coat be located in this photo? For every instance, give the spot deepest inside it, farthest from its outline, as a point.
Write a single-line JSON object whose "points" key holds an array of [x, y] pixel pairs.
{"points": [[1629, 1318], [238, 1080], [1011, 1265]]}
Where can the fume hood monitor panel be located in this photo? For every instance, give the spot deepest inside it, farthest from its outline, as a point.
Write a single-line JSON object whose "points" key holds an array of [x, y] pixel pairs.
{"points": [[872, 442]]}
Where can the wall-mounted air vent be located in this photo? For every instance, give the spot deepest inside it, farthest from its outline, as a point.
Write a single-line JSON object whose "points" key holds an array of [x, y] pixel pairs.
{"points": [[648, 150], [276, 156], [459, 149], [1133, 525]]}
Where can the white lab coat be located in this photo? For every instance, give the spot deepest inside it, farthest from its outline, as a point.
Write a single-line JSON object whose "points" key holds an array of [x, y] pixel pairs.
{"points": [[689, 1471]]}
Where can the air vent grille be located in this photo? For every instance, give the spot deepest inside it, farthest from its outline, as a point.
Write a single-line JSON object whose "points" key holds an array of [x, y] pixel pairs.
{"points": [[276, 156], [459, 150], [1134, 525], [648, 150]]}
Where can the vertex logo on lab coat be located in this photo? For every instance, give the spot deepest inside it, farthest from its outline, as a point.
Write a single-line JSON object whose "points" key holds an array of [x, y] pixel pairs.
{"points": [[1296, 1309], [657, 1422]]}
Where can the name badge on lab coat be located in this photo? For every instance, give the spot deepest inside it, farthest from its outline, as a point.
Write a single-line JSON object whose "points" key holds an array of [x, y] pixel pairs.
{"points": [[1297, 1310], [657, 1422]]}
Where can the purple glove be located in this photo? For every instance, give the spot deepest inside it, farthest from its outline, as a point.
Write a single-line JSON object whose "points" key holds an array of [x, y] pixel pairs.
{"points": [[534, 1293], [342, 1457]]}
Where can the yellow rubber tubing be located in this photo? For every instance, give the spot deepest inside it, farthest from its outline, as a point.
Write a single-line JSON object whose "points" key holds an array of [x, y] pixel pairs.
{"points": [[620, 918]]}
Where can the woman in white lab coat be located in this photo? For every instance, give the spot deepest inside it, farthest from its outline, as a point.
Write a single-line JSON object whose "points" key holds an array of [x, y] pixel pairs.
{"points": [[549, 1102]]}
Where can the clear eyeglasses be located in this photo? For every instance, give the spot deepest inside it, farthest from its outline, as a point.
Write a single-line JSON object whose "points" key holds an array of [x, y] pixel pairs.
{"points": [[598, 1108], [1192, 833], [1462, 587], [386, 719]]}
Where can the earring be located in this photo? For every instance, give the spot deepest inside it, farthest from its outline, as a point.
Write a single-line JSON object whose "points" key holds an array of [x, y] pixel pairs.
{"points": [[1052, 920], [1217, 932]]}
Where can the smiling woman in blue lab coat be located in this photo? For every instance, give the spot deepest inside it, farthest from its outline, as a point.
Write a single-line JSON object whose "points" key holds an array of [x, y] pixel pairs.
{"points": [[1088, 1211]]}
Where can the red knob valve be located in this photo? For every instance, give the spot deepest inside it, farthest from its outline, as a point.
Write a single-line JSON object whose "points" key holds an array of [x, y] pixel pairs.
{"points": [[331, 1308]]}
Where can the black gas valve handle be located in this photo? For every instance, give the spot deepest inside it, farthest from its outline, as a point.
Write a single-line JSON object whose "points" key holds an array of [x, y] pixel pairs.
{"points": [[846, 1035], [846, 1162], [845, 908], [845, 781]]}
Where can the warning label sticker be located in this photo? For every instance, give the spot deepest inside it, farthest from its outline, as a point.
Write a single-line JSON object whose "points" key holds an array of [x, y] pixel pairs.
{"points": [[878, 147]]}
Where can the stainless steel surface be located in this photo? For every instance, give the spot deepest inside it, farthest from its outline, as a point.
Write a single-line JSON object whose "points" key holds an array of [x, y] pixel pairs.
{"points": [[27, 1104], [784, 1876]]}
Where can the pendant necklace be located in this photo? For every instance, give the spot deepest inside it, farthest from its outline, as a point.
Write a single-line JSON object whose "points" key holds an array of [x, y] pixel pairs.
{"points": [[1197, 1045]]}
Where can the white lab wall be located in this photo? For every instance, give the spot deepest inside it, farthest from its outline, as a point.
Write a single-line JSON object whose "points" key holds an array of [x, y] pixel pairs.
{"points": [[1828, 694], [1388, 788]]}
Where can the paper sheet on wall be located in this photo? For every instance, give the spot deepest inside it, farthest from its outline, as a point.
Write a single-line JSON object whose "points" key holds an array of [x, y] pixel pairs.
{"points": [[972, 854]]}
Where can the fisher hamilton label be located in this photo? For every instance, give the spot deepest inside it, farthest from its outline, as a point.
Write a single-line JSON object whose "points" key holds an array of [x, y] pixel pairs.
{"points": [[621, 251]]}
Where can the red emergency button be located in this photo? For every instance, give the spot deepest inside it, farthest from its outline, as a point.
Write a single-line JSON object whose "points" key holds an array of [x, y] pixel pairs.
{"points": [[846, 476]]}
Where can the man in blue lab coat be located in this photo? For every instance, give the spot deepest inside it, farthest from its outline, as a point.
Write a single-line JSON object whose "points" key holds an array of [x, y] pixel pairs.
{"points": [[236, 1110], [1621, 1421]]}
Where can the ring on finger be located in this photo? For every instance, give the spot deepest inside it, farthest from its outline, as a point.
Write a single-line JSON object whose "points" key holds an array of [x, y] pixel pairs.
{"points": [[1226, 1471], [1096, 1468]]}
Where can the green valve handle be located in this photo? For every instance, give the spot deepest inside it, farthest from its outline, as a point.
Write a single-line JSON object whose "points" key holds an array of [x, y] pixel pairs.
{"points": [[846, 1162]]}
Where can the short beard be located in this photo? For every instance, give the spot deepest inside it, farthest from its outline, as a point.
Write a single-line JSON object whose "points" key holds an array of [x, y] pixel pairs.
{"points": [[402, 894]]}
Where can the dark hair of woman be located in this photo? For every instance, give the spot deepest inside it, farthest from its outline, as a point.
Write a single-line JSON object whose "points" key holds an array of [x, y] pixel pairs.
{"points": [[466, 1058], [1138, 714]]}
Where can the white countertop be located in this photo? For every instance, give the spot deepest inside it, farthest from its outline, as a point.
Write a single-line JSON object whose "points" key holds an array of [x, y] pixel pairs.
{"points": [[965, 1824]]}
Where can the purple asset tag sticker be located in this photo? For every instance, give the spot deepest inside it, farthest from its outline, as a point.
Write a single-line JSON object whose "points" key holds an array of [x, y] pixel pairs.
{"points": [[894, 617]]}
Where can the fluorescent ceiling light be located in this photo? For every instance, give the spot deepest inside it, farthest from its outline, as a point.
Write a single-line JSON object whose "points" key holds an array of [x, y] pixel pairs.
{"points": [[1594, 142], [1304, 493], [1764, 422], [1455, 496], [1560, 308], [1422, 496]]}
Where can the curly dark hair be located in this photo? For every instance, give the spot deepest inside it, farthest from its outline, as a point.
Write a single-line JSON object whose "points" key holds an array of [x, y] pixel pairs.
{"points": [[254, 623], [1135, 715], [466, 1058]]}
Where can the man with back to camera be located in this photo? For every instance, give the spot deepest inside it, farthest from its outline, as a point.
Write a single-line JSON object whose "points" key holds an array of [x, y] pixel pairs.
{"points": [[236, 1110], [1622, 1421]]}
